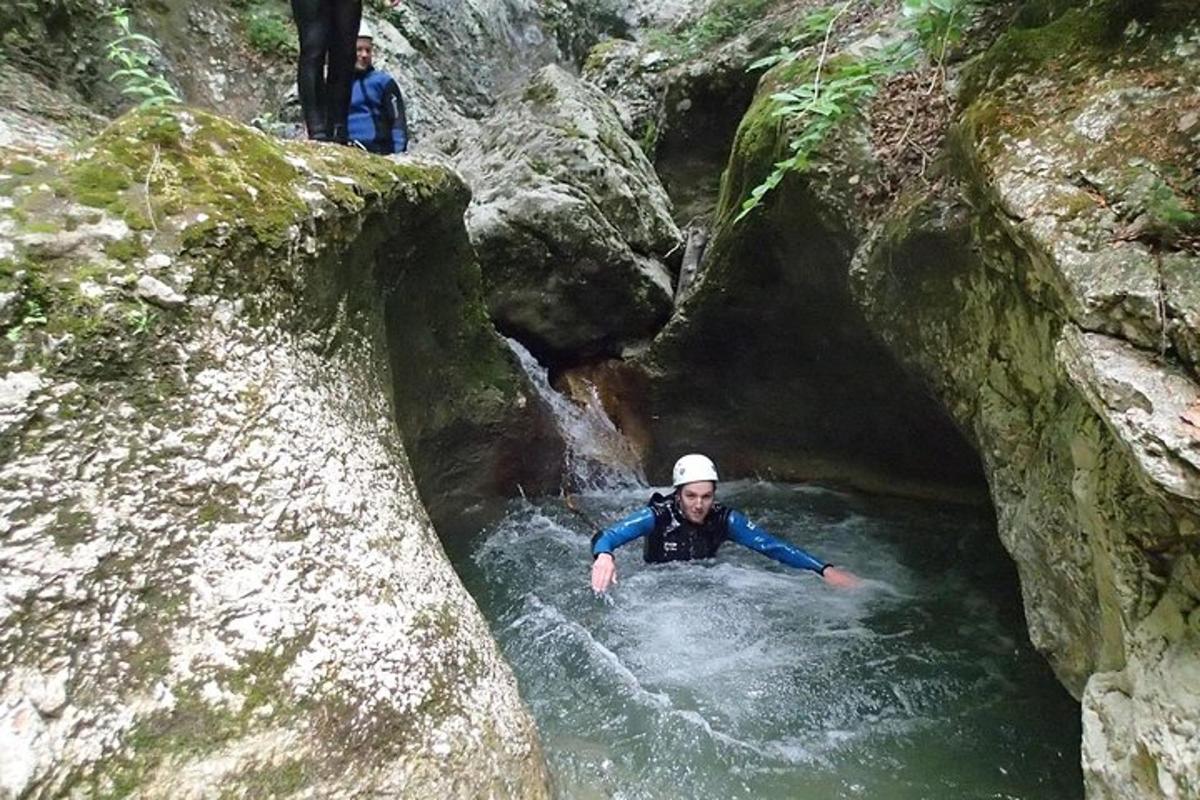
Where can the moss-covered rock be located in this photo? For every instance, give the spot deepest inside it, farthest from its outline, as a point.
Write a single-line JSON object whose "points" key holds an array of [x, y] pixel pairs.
{"points": [[767, 366], [683, 86], [217, 569], [1043, 300]]}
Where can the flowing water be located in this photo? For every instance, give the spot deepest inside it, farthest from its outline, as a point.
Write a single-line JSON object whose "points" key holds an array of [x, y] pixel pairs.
{"points": [[740, 677], [598, 456]]}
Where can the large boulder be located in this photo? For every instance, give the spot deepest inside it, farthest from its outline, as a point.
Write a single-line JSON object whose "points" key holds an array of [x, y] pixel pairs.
{"points": [[218, 575], [682, 84], [570, 222]]}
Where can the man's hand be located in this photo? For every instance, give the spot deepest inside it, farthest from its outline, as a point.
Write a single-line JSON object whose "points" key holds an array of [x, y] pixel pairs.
{"points": [[837, 578], [604, 572]]}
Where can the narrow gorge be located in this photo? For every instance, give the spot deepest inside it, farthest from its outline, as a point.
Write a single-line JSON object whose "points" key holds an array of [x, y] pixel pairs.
{"points": [[283, 514]]}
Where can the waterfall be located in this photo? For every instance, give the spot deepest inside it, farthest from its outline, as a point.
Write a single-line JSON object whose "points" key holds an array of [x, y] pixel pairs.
{"points": [[598, 456]]}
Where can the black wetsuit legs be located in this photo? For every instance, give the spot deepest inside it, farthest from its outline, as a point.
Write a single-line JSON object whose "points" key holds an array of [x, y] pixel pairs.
{"points": [[328, 32]]}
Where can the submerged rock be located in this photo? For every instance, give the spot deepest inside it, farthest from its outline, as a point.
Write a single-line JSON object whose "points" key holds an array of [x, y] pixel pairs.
{"points": [[218, 575]]}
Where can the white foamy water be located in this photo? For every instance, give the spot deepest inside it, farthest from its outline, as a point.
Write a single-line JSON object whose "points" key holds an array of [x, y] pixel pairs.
{"points": [[598, 456], [740, 677]]}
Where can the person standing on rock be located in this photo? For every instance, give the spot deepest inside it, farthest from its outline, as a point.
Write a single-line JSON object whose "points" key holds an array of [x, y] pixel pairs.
{"points": [[377, 120], [689, 524], [325, 70]]}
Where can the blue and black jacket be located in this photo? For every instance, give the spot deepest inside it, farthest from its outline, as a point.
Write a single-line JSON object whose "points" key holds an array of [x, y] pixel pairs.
{"points": [[377, 119], [670, 537]]}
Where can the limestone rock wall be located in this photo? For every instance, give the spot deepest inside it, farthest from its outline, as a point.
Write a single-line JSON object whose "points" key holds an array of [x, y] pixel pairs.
{"points": [[1070, 357], [768, 365], [451, 58], [217, 573]]}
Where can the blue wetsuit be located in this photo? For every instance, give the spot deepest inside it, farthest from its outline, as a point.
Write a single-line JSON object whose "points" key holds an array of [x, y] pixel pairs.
{"points": [[377, 118], [670, 537]]}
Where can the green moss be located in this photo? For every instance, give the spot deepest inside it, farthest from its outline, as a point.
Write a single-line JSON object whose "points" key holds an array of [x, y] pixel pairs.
{"points": [[72, 527], [221, 505], [56, 311], [42, 226], [648, 140], [210, 512], [145, 163], [22, 167], [191, 729], [1165, 212], [598, 55], [269, 31], [1144, 170], [540, 92], [760, 139], [274, 780], [1080, 34], [194, 727], [125, 250], [720, 22], [98, 184]]}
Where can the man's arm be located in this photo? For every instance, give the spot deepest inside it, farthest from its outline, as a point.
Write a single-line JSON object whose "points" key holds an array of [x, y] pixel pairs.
{"points": [[393, 114], [604, 568], [745, 532]]}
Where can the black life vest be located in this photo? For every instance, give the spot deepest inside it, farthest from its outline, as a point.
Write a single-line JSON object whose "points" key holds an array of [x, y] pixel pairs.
{"points": [[676, 539]]}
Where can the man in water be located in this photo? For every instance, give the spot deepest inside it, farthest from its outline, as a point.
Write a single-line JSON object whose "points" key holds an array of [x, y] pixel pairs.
{"points": [[688, 524]]}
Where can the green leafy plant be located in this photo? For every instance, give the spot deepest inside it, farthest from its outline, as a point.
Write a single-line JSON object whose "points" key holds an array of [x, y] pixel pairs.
{"points": [[812, 109], [269, 32], [722, 20], [816, 108], [34, 315], [810, 31], [141, 319], [133, 54], [937, 24]]}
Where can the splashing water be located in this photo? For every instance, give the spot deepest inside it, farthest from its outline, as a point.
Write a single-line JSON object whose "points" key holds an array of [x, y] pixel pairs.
{"points": [[599, 457], [740, 677]]}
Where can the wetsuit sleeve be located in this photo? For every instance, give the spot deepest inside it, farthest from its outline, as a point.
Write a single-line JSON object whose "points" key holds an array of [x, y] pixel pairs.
{"points": [[393, 114], [745, 532], [639, 523]]}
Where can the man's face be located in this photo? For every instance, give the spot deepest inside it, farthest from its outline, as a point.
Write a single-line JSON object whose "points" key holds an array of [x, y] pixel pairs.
{"points": [[364, 52], [695, 500]]}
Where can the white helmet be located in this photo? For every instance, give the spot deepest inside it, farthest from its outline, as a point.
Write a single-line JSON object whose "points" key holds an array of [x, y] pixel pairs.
{"points": [[693, 467], [364, 31]]}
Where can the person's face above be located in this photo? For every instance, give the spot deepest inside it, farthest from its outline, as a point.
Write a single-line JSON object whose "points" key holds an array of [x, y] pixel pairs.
{"points": [[364, 53], [695, 500]]}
